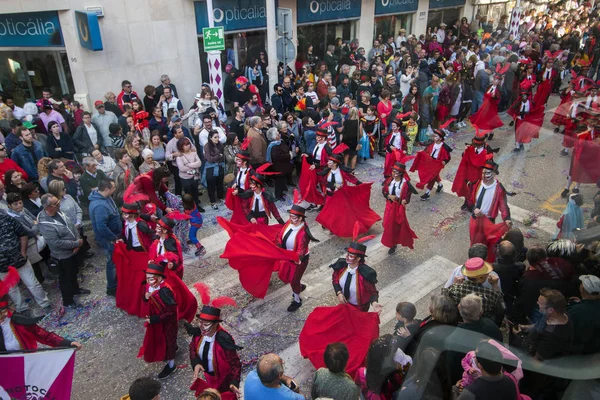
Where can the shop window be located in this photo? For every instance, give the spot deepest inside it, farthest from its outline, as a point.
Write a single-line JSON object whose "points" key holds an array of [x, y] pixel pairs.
{"points": [[321, 35], [390, 25], [448, 16]]}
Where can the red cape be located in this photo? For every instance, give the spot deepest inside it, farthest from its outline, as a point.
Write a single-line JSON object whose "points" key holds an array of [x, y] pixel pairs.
{"points": [[393, 157], [396, 229], [585, 164], [486, 118], [562, 111], [187, 305], [269, 231], [234, 203], [255, 257], [529, 127], [428, 168], [200, 386], [131, 279], [308, 184], [348, 205], [484, 231], [322, 327], [469, 170]]}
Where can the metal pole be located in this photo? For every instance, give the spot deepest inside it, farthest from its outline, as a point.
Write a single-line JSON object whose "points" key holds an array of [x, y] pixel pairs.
{"points": [[213, 59], [271, 46]]}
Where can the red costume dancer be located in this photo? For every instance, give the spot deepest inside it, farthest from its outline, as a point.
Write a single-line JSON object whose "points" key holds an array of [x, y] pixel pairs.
{"points": [[309, 182], [153, 184], [561, 115], [259, 205], [345, 205], [529, 118], [487, 199], [430, 162], [585, 167], [131, 259], [240, 185], [486, 118], [548, 76], [572, 121], [471, 164], [212, 349], [354, 281], [167, 242], [18, 332], [582, 83], [397, 191], [160, 341], [529, 75], [590, 106], [295, 236], [395, 141]]}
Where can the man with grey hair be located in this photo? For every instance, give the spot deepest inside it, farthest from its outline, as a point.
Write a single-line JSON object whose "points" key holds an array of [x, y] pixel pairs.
{"points": [[165, 81], [267, 381], [90, 178], [258, 143], [471, 311]]}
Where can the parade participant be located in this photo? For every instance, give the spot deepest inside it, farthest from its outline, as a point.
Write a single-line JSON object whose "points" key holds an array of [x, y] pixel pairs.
{"points": [[160, 340], [212, 349], [310, 182], [488, 198], [471, 164], [167, 242], [548, 75], [259, 205], [562, 111], [486, 118], [241, 184], [397, 191], [591, 105], [431, 161], [18, 332], [529, 118], [295, 236], [354, 281], [395, 141], [585, 167], [137, 235]]}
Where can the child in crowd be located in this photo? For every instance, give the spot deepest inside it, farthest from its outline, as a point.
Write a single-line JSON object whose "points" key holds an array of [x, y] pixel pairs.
{"points": [[412, 129], [406, 325], [189, 207]]}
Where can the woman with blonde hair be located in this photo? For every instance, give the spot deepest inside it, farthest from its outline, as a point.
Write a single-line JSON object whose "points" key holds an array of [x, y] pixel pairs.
{"points": [[111, 104], [42, 167], [134, 146]]}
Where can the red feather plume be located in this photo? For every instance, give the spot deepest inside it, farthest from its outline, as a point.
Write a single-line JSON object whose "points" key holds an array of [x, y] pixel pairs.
{"points": [[245, 143], [297, 197], [167, 257], [141, 115], [402, 116], [132, 195], [177, 215], [340, 148], [447, 123], [502, 69], [365, 238], [264, 170], [355, 231], [222, 301], [328, 124], [10, 280], [203, 291]]}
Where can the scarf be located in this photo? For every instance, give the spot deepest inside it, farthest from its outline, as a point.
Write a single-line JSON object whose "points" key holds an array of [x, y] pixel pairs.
{"points": [[271, 145]]}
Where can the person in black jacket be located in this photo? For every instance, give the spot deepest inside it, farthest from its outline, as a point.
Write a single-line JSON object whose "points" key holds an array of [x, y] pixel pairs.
{"points": [[510, 271], [278, 153], [58, 144], [277, 99]]}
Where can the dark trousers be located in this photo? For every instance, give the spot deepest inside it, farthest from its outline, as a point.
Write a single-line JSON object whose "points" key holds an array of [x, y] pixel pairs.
{"points": [[190, 186], [465, 107], [67, 277], [296, 280], [280, 185], [215, 184], [175, 172]]}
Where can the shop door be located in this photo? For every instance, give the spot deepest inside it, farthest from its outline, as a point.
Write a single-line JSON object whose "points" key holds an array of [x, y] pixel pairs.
{"points": [[322, 35]]}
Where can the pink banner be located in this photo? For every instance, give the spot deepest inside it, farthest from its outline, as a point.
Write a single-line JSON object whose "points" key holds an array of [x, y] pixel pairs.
{"points": [[37, 375]]}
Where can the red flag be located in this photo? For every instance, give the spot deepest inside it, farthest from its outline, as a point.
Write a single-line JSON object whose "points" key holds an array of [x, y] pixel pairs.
{"points": [[484, 231], [131, 278]]}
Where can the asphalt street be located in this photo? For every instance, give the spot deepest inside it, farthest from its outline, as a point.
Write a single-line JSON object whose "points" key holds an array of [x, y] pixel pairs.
{"points": [[107, 364]]}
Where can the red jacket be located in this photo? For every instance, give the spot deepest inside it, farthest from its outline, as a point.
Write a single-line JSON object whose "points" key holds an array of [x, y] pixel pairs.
{"points": [[367, 278], [268, 205], [29, 334], [405, 194], [171, 245], [346, 178], [499, 203], [443, 154], [144, 184], [144, 233], [120, 101], [9, 164], [300, 242], [322, 89], [404, 141]]}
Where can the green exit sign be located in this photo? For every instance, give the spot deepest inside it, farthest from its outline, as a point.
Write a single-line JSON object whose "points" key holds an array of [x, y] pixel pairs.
{"points": [[214, 38]]}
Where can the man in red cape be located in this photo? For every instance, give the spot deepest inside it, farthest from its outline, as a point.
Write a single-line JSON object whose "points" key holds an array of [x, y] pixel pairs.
{"points": [[322, 327], [258, 204], [585, 164], [160, 341], [529, 118], [486, 118], [345, 205], [395, 141], [397, 191], [354, 281], [548, 75], [295, 236], [471, 164], [241, 184], [213, 350], [430, 162], [488, 198], [312, 164]]}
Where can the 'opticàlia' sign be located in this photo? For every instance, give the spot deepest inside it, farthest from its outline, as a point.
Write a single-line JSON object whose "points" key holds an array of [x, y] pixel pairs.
{"points": [[386, 7], [327, 10], [233, 15], [36, 29]]}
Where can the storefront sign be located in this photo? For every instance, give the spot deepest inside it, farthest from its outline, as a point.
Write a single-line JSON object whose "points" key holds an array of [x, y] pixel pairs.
{"points": [[35, 29], [214, 38], [88, 30], [233, 15], [386, 7], [445, 3], [328, 10]]}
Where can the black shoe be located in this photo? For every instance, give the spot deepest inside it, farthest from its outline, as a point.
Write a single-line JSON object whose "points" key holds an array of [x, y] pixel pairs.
{"points": [[425, 197], [166, 371], [200, 209], [564, 193], [557, 129], [490, 136], [200, 251], [311, 207], [83, 291], [320, 208], [464, 207], [439, 188], [392, 250], [564, 152], [302, 288], [512, 123], [516, 149], [89, 254], [575, 190], [111, 292], [294, 306]]}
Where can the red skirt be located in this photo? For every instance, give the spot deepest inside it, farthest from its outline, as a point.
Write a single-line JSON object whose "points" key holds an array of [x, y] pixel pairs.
{"points": [[396, 229], [561, 115], [348, 205], [234, 203], [428, 167], [486, 118], [529, 127], [308, 184], [585, 164], [484, 231], [131, 279], [442, 113]]}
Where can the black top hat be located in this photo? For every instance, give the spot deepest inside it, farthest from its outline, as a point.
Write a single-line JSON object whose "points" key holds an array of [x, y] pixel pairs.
{"points": [[358, 249], [244, 155], [338, 158], [210, 313], [131, 208], [491, 165], [297, 210], [156, 269], [399, 167], [167, 223]]}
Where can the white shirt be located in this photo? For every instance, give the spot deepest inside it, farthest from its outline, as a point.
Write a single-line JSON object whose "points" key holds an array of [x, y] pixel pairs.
{"points": [[203, 135], [92, 133], [107, 165], [318, 151], [18, 112], [492, 89], [335, 176], [525, 107], [488, 197], [435, 151], [354, 284], [590, 100], [169, 104], [160, 249], [548, 73], [396, 140], [261, 206], [240, 180], [134, 238], [10, 341], [289, 243], [398, 185], [211, 343]]}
